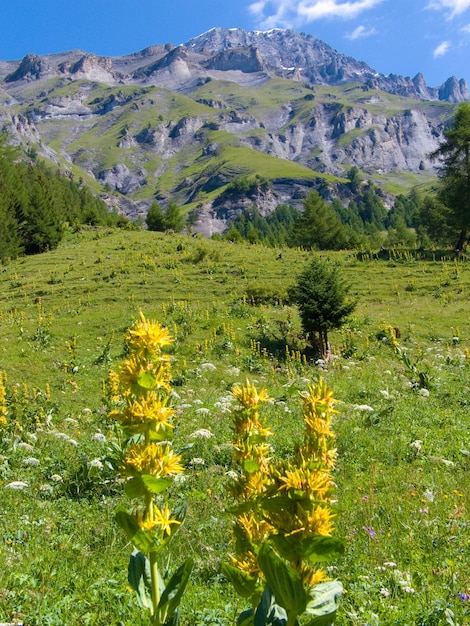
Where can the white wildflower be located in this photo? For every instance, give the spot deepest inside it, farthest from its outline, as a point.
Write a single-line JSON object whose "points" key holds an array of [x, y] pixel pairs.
{"points": [[63, 436], [418, 444], [231, 474], [197, 461], [363, 407], [208, 366], [17, 484], [202, 411], [385, 592], [86, 410], [25, 446], [31, 462], [99, 437], [385, 394], [448, 463], [72, 442], [204, 433], [46, 488], [197, 401], [428, 495], [57, 478], [390, 564], [424, 392], [70, 420], [96, 463]]}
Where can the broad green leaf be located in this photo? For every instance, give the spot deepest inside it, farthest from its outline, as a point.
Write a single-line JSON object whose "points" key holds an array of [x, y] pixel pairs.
{"points": [[324, 603], [146, 380], [159, 434], [138, 575], [245, 618], [174, 619], [134, 488], [250, 466], [155, 485], [268, 612], [141, 540], [173, 592], [284, 581], [243, 583], [288, 547], [322, 549]]}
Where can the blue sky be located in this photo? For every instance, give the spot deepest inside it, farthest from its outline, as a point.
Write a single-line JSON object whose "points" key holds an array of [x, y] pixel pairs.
{"points": [[392, 36]]}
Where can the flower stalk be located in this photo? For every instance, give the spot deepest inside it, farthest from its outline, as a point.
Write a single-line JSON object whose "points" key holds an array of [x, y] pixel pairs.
{"points": [[284, 520], [140, 393]]}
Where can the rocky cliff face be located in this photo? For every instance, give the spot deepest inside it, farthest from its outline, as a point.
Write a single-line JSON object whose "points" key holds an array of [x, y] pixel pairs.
{"points": [[184, 121]]}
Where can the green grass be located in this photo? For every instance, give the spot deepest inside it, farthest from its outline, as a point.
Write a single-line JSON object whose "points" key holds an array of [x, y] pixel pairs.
{"points": [[404, 449]]}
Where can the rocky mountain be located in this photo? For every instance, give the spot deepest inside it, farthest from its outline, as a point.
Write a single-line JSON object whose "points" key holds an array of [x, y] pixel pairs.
{"points": [[185, 121]]}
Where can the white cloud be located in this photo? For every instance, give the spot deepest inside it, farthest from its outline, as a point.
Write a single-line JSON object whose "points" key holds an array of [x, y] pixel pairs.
{"points": [[454, 7], [360, 32], [288, 13], [441, 49], [465, 29]]}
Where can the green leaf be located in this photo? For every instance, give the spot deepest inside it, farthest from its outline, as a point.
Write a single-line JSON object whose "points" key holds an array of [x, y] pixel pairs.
{"points": [[134, 488], [268, 612], [324, 603], [173, 592], [322, 549], [146, 380], [250, 466], [243, 583], [139, 577], [141, 540], [155, 485], [284, 581], [245, 618]]}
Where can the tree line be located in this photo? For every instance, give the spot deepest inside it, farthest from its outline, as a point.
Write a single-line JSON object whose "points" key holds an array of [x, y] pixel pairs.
{"points": [[36, 203]]}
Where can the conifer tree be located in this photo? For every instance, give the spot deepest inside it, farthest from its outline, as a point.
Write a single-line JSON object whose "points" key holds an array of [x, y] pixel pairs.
{"points": [[174, 219], [321, 297], [155, 219], [318, 226], [454, 172]]}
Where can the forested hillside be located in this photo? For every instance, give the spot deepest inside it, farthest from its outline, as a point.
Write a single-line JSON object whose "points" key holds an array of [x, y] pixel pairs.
{"points": [[37, 202]]}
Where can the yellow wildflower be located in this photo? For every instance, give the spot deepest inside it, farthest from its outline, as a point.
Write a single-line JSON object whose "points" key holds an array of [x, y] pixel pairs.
{"points": [[153, 459], [248, 396], [148, 337], [150, 409], [156, 517], [312, 576]]}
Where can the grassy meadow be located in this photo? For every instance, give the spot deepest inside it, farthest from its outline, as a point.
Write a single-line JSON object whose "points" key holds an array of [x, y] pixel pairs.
{"points": [[403, 423]]}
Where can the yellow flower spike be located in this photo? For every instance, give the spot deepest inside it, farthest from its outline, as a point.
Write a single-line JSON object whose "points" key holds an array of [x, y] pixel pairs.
{"points": [[147, 337], [152, 411], [248, 396], [153, 459]]}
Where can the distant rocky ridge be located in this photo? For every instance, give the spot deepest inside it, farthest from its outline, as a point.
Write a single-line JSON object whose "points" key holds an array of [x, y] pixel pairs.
{"points": [[66, 106], [278, 52]]}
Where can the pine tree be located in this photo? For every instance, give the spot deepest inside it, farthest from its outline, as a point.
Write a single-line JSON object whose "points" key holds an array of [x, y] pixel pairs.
{"points": [[454, 172], [174, 219], [318, 226], [155, 219], [321, 297]]}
